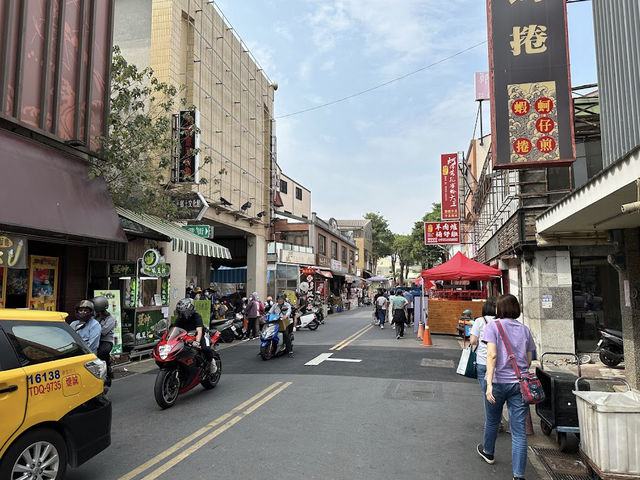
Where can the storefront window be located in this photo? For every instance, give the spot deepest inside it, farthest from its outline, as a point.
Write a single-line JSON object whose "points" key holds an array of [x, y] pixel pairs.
{"points": [[287, 277], [334, 250], [596, 300], [344, 255]]}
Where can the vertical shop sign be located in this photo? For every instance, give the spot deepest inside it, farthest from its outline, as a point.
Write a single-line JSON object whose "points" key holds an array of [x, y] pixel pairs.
{"points": [[189, 138], [483, 86], [441, 233], [449, 175], [529, 61], [113, 296], [43, 283]]}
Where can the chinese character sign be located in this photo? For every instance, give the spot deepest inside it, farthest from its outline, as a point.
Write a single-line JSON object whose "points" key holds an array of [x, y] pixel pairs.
{"points": [[529, 60], [439, 233], [483, 86], [450, 197], [189, 146]]}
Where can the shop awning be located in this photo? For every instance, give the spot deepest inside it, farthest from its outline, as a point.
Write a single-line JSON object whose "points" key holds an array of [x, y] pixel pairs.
{"points": [[229, 275], [325, 273], [47, 190], [181, 239]]}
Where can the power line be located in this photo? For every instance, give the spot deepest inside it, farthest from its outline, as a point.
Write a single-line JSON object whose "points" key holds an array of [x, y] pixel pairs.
{"points": [[389, 82]]}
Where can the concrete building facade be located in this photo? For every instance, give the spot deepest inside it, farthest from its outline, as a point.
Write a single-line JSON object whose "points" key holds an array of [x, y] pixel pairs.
{"points": [[362, 233], [190, 44]]}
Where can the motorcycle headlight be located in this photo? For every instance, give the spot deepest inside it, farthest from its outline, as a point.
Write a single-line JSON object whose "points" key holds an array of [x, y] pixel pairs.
{"points": [[164, 350]]}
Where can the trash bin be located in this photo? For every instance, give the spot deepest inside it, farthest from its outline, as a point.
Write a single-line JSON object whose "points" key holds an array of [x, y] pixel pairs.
{"points": [[610, 430]]}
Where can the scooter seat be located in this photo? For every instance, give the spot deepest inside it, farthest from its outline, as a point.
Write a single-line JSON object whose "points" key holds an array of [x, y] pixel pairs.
{"points": [[615, 333]]}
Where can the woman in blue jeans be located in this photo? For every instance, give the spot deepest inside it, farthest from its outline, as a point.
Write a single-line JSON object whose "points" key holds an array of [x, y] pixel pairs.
{"points": [[502, 383], [477, 335]]}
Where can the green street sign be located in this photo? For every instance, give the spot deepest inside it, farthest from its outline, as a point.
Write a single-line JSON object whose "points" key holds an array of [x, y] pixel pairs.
{"points": [[204, 231]]}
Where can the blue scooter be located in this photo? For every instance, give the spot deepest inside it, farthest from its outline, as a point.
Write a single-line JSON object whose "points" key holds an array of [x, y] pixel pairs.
{"points": [[271, 338]]}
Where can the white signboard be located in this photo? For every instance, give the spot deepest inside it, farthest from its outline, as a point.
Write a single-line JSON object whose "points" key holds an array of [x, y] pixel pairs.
{"points": [[299, 258], [547, 301]]}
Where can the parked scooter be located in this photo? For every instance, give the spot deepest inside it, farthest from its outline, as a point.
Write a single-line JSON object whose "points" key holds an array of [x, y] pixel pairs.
{"points": [[611, 349], [271, 339], [317, 310], [183, 365], [308, 320], [226, 328]]}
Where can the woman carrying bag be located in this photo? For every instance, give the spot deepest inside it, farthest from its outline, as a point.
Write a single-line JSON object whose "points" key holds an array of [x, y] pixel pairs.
{"points": [[503, 381]]}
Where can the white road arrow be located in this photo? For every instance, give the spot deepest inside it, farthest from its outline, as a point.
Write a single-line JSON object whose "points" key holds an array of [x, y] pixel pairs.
{"points": [[327, 357]]}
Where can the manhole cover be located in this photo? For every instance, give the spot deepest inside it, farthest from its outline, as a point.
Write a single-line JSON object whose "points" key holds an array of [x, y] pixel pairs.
{"points": [[436, 362], [416, 391], [562, 466]]}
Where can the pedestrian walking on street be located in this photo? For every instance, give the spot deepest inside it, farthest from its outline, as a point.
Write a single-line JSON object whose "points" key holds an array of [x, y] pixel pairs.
{"points": [[399, 310], [381, 309], [253, 312], [409, 297], [502, 385]]}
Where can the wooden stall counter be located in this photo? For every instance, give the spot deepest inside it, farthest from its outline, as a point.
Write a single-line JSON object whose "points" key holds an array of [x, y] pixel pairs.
{"points": [[444, 314]]}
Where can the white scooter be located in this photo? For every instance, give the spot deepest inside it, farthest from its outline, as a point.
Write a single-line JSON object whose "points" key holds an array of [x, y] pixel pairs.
{"points": [[308, 320]]}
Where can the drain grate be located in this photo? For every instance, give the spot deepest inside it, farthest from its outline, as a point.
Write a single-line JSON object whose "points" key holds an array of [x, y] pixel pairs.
{"points": [[562, 466]]}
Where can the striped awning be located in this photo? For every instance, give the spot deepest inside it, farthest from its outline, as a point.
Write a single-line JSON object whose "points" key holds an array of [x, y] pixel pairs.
{"points": [[182, 240]]}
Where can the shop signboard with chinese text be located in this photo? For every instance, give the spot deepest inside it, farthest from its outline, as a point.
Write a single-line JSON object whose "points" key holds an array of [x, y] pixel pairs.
{"points": [[441, 233], [189, 138], [449, 177], [13, 251], [204, 231], [529, 61], [113, 296], [122, 270], [190, 206], [483, 86]]}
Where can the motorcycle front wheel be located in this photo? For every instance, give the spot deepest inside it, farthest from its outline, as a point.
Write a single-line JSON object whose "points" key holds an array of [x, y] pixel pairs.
{"points": [[313, 325], [609, 361], [166, 388], [267, 351], [212, 380]]}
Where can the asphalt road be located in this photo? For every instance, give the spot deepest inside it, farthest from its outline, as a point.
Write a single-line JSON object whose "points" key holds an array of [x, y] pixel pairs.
{"points": [[401, 412]]}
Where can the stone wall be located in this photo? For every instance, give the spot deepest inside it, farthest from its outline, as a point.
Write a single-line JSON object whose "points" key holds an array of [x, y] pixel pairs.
{"points": [[547, 274]]}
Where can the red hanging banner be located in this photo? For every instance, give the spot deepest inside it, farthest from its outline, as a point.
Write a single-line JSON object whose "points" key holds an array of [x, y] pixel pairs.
{"points": [[441, 233], [449, 175]]}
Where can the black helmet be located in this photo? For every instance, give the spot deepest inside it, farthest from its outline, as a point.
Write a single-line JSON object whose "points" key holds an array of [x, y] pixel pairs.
{"points": [[84, 311], [100, 304], [281, 296], [185, 307]]}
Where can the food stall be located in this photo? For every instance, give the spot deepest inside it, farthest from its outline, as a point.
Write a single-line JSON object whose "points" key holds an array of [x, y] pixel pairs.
{"points": [[446, 305], [144, 289]]}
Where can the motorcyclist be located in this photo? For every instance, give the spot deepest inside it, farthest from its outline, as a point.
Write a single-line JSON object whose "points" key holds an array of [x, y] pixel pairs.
{"points": [[107, 325], [86, 325], [303, 305], [283, 308], [190, 320]]}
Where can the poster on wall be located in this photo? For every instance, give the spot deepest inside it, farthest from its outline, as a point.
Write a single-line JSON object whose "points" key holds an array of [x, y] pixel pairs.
{"points": [[113, 296], [441, 233], [532, 110], [203, 307], [43, 282]]}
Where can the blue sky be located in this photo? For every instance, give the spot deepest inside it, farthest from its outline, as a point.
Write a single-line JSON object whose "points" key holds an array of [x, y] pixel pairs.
{"points": [[379, 151]]}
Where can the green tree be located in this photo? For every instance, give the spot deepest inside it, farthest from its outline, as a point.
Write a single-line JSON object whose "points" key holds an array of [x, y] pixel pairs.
{"points": [[403, 247], [427, 255], [382, 236], [135, 157]]}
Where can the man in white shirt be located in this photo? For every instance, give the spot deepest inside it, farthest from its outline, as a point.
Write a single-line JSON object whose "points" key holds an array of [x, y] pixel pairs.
{"points": [[381, 309]]}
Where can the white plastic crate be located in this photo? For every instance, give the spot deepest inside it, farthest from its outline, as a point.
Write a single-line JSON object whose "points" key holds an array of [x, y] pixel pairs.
{"points": [[610, 430]]}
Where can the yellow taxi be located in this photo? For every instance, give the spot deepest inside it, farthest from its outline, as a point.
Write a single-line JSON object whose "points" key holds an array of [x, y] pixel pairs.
{"points": [[53, 411]]}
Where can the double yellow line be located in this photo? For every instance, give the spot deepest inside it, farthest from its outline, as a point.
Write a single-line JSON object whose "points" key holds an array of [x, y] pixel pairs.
{"points": [[352, 338], [231, 418]]}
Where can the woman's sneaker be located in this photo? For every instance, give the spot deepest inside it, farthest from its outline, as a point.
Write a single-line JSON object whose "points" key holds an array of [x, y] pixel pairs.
{"points": [[485, 456]]}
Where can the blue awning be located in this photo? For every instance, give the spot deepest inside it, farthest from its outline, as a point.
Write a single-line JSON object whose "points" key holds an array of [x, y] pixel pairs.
{"points": [[229, 275]]}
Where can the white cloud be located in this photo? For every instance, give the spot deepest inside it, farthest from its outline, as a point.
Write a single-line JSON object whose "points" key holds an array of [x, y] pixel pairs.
{"points": [[328, 65], [304, 69], [283, 32]]}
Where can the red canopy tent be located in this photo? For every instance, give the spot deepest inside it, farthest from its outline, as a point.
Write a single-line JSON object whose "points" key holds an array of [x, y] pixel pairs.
{"points": [[461, 267]]}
